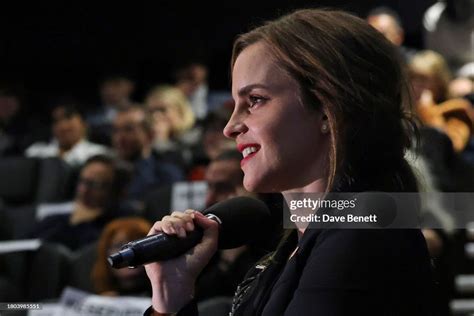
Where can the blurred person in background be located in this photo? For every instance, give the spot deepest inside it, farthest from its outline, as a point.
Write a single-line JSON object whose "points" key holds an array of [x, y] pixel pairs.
{"points": [[133, 137], [228, 267], [69, 137], [462, 86], [17, 130], [115, 92], [429, 72], [99, 194], [116, 282], [191, 79], [448, 30], [213, 142], [430, 78], [389, 23], [173, 117]]}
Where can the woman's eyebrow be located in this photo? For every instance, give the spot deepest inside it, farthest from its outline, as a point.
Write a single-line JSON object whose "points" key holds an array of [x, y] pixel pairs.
{"points": [[245, 90]]}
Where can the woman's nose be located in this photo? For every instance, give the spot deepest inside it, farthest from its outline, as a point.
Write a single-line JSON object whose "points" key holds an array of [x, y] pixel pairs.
{"points": [[235, 126]]}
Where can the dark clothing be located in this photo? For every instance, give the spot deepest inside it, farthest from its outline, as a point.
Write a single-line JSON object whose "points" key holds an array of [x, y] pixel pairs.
{"points": [[19, 133], [151, 173], [340, 272], [214, 281], [100, 125], [345, 272], [57, 228]]}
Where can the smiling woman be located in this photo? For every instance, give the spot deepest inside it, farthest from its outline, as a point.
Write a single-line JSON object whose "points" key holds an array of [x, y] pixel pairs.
{"points": [[270, 121], [321, 105]]}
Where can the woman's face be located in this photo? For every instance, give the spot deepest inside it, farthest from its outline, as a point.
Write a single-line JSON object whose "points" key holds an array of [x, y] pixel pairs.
{"points": [[281, 140], [163, 108]]}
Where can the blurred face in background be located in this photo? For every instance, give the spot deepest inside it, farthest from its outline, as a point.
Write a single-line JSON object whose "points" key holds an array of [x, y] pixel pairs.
{"points": [[214, 142], [68, 128], [423, 81], [224, 179], [9, 106], [116, 92], [388, 26], [191, 77], [164, 112], [130, 137], [94, 188], [128, 280]]}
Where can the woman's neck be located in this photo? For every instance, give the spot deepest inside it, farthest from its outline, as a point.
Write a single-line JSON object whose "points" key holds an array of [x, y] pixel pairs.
{"points": [[318, 186]]}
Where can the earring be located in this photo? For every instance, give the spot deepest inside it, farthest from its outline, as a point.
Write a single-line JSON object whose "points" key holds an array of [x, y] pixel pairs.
{"points": [[324, 128]]}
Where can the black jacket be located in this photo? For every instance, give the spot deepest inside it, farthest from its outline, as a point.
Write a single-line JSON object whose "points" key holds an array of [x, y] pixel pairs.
{"points": [[338, 272]]}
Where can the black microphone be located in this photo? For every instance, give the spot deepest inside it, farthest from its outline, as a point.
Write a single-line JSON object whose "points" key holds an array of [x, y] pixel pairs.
{"points": [[241, 220]]}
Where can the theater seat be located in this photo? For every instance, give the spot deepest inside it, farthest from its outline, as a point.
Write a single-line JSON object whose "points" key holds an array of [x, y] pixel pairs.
{"points": [[82, 262], [32, 180], [56, 180], [48, 271], [18, 179]]}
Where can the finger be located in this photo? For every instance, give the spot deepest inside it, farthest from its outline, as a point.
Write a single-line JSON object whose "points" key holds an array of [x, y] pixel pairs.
{"points": [[156, 228], [187, 217], [180, 226], [168, 227], [208, 245]]}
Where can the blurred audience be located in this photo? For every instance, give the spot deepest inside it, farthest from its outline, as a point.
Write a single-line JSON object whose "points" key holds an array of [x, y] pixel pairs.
{"points": [[69, 138], [430, 78], [389, 23], [17, 130], [99, 199], [463, 84], [228, 267], [126, 281], [115, 93], [429, 72], [448, 30], [173, 118], [191, 79], [132, 140], [213, 142]]}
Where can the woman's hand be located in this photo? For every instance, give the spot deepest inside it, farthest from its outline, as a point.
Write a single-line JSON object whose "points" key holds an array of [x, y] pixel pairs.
{"points": [[173, 280]]}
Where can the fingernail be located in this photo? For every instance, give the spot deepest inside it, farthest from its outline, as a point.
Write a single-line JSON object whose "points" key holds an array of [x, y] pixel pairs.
{"points": [[190, 226]]}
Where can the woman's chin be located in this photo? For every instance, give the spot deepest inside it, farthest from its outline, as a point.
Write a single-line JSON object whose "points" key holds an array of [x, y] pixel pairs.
{"points": [[257, 186]]}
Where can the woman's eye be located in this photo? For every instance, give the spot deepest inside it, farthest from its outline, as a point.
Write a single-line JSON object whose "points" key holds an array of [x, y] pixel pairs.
{"points": [[255, 100]]}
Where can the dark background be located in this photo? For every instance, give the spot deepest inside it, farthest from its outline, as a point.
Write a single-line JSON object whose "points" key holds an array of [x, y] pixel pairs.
{"points": [[57, 50]]}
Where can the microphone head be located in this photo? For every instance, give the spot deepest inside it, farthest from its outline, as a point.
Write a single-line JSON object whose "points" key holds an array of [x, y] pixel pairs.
{"points": [[245, 220]]}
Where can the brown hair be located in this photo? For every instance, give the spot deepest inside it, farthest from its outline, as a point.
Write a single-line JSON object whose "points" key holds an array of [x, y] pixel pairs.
{"points": [[348, 70], [134, 228]]}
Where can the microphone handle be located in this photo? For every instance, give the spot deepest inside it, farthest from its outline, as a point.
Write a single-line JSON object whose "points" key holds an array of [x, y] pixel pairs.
{"points": [[161, 247]]}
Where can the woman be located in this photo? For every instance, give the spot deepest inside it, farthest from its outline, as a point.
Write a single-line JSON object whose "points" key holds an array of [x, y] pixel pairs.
{"points": [[112, 282], [172, 115], [429, 72], [319, 107]]}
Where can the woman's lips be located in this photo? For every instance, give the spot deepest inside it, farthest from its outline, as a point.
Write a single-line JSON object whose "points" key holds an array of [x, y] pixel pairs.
{"points": [[248, 151]]}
